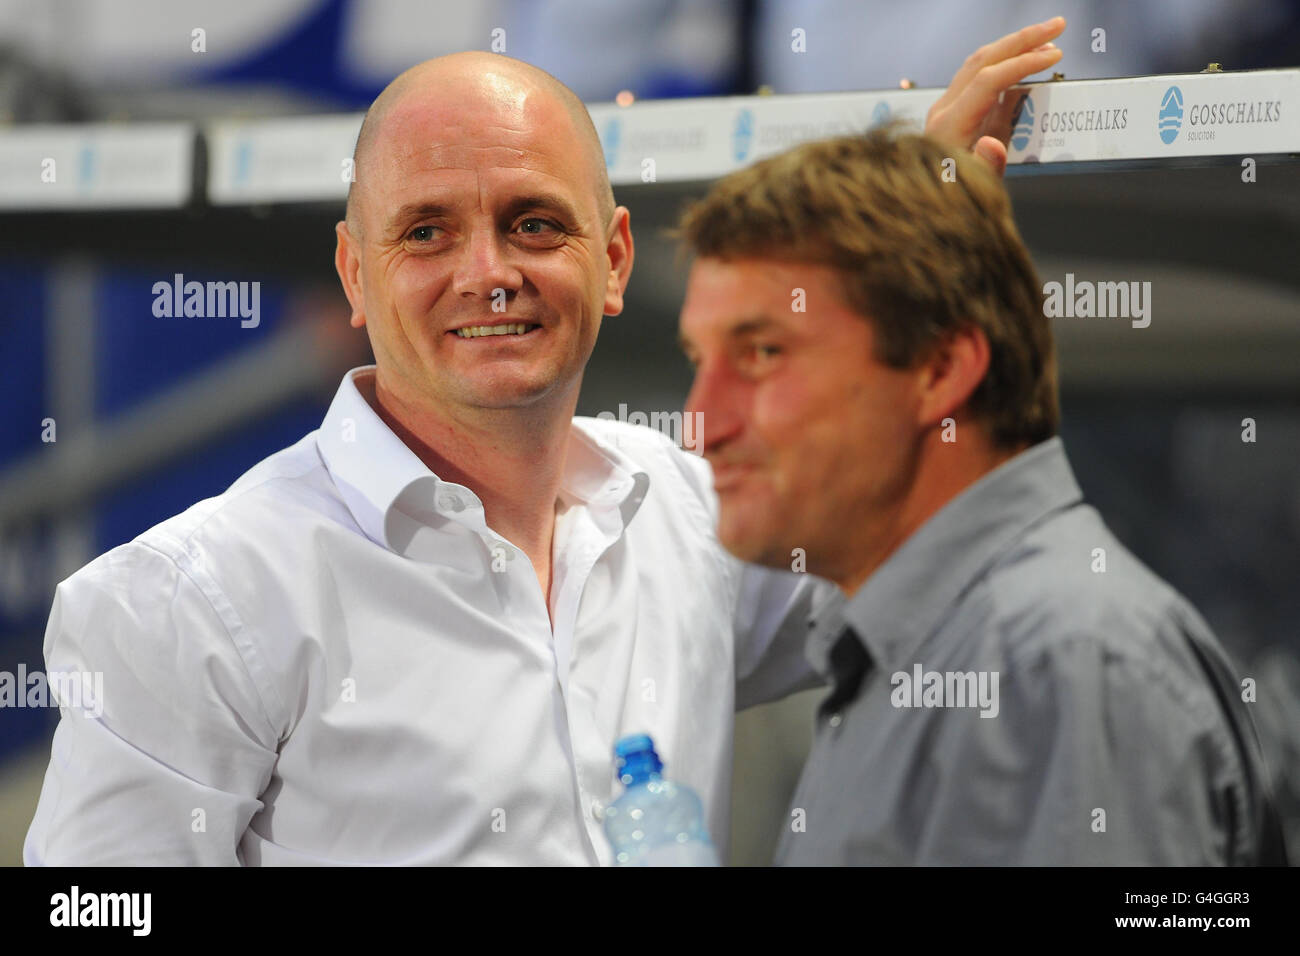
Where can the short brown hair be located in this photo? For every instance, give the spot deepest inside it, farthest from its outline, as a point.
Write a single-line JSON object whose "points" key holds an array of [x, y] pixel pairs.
{"points": [[919, 255]]}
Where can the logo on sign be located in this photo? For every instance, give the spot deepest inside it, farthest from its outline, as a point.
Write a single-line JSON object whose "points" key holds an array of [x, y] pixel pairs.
{"points": [[243, 162], [1024, 127], [610, 140], [86, 165], [742, 135], [1171, 114]]}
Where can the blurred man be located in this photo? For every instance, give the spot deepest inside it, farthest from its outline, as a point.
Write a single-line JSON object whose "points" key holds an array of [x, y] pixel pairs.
{"points": [[415, 636], [878, 388]]}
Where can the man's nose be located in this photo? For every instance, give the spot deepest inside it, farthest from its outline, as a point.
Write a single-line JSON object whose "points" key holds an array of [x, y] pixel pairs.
{"points": [[715, 402], [483, 268]]}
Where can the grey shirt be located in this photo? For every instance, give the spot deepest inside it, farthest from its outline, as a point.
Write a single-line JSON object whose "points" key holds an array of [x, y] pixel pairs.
{"points": [[1015, 687]]}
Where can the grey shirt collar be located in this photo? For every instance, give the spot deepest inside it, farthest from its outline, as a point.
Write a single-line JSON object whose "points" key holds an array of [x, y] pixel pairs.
{"points": [[914, 590]]}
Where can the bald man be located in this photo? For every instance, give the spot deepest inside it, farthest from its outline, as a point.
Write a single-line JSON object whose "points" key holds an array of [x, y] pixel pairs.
{"points": [[414, 636]]}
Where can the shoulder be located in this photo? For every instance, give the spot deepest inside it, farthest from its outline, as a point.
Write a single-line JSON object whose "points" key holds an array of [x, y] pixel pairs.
{"points": [[1071, 578], [276, 498], [281, 495], [1078, 624], [659, 455], [169, 600]]}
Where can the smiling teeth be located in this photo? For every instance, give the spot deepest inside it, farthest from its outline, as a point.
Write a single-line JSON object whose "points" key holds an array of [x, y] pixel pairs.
{"points": [[474, 331]]}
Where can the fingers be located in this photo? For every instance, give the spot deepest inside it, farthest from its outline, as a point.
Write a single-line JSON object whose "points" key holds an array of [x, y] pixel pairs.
{"points": [[983, 91], [971, 108], [999, 76], [994, 153], [1022, 41], [1027, 39]]}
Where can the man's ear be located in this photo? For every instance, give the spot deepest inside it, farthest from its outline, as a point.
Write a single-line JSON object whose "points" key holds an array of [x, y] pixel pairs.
{"points": [[619, 251], [347, 262], [950, 373]]}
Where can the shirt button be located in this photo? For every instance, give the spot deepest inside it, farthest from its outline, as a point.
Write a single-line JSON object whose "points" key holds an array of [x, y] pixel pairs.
{"points": [[597, 810], [836, 720], [451, 503]]}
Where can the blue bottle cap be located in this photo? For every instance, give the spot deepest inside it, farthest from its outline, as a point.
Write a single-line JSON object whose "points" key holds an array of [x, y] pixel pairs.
{"points": [[636, 760]]}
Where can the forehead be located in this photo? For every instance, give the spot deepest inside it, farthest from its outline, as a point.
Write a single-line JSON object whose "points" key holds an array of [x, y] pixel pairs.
{"points": [[730, 301], [719, 291], [491, 137]]}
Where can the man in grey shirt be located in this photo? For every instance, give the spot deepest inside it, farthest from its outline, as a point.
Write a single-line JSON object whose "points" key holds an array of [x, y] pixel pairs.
{"points": [[1010, 685]]}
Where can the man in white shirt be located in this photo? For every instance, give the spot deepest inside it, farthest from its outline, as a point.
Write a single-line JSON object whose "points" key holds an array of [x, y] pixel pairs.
{"points": [[414, 636]]}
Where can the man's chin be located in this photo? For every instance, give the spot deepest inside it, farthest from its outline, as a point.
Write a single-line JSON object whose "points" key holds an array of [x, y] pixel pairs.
{"points": [[514, 391], [753, 545]]}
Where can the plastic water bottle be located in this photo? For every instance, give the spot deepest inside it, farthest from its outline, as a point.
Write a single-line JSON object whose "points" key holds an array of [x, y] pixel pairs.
{"points": [[655, 822]]}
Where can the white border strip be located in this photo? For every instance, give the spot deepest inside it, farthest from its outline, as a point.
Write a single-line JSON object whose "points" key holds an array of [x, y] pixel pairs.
{"points": [[96, 166]]}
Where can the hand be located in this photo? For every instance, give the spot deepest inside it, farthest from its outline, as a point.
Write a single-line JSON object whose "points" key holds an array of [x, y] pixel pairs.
{"points": [[973, 104]]}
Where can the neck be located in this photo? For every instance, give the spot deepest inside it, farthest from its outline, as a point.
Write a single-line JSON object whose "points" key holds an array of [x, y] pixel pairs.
{"points": [[512, 459], [943, 471]]}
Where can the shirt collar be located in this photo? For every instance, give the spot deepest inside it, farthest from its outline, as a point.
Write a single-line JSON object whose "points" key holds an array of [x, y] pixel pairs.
{"points": [[385, 485], [914, 590]]}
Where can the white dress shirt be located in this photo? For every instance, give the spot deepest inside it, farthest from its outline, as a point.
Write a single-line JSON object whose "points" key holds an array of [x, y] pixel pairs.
{"points": [[337, 661]]}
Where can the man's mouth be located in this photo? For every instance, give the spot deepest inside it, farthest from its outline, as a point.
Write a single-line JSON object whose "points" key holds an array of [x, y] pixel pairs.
{"points": [[504, 328], [726, 477]]}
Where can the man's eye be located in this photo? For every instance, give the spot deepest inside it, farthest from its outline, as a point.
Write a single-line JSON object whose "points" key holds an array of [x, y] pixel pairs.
{"points": [[422, 233], [767, 351], [537, 227]]}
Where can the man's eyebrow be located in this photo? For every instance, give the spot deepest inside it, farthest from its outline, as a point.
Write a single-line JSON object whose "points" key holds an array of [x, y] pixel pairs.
{"points": [[543, 200], [746, 326], [758, 323], [416, 210]]}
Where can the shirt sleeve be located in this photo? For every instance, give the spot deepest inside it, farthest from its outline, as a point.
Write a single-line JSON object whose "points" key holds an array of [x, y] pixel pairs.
{"points": [[773, 614], [167, 766], [1094, 757]]}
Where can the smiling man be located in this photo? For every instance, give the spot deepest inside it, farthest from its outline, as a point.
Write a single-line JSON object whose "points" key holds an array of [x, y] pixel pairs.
{"points": [[415, 635], [484, 205], [878, 389]]}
